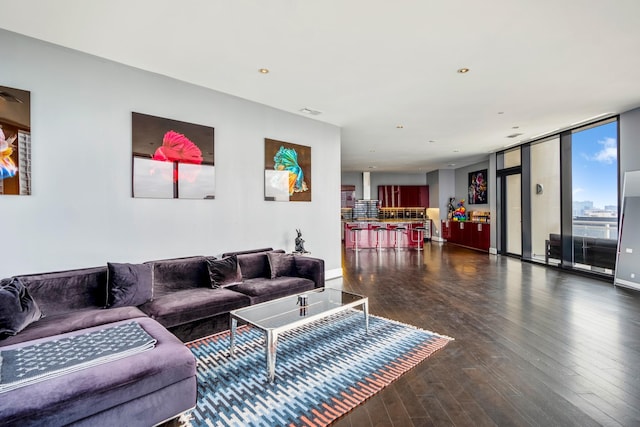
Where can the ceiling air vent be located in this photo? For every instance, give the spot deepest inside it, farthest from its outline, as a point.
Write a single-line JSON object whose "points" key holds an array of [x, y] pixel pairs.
{"points": [[514, 135], [310, 111]]}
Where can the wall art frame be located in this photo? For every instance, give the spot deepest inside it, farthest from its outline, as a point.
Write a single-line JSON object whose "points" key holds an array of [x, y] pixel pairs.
{"points": [[171, 159], [15, 141], [478, 188], [287, 171]]}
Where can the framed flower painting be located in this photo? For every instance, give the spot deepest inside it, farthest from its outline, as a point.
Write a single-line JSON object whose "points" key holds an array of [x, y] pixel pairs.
{"points": [[287, 171], [172, 159]]}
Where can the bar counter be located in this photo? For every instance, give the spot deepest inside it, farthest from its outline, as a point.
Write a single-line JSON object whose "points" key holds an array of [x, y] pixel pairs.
{"points": [[383, 234]]}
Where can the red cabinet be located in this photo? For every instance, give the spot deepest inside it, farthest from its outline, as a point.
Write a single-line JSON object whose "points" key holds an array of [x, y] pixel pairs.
{"points": [[471, 234], [406, 196]]}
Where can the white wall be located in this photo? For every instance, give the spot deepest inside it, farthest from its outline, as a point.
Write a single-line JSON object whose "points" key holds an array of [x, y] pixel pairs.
{"points": [[353, 178], [390, 178], [81, 212], [447, 189]]}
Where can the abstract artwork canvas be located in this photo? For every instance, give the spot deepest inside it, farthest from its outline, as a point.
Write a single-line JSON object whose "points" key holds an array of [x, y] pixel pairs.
{"points": [[477, 187], [15, 141], [172, 159], [287, 171]]}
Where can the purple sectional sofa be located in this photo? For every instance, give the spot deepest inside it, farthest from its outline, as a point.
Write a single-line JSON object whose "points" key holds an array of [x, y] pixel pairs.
{"points": [[173, 300]]}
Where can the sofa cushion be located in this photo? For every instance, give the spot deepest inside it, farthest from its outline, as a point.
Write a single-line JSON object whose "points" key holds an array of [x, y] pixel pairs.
{"points": [[67, 322], [70, 290], [260, 290], [77, 395], [193, 304], [129, 284], [173, 275], [224, 272], [17, 308], [254, 265], [281, 264]]}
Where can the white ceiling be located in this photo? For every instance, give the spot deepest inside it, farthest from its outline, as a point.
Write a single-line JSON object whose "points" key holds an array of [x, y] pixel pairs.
{"points": [[371, 65]]}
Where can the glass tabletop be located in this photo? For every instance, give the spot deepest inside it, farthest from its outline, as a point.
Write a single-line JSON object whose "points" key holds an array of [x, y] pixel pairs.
{"points": [[286, 311]]}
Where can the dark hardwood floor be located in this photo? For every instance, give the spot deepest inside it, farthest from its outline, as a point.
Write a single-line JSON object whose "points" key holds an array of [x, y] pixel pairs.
{"points": [[533, 346]]}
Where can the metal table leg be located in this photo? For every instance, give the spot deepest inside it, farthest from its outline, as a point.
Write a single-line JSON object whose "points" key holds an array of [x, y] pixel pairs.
{"points": [[272, 346]]}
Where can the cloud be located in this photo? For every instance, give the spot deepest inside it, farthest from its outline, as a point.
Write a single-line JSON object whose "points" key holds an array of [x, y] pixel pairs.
{"points": [[609, 152], [577, 191]]}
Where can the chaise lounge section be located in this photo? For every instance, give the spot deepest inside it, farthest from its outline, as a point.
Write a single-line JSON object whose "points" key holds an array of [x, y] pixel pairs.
{"points": [[173, 300]]}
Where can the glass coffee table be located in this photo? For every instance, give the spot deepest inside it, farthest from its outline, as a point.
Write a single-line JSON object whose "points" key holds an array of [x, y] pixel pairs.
{"points": [[281, 315]]}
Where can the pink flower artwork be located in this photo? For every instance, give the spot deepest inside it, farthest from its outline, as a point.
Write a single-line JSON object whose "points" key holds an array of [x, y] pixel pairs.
{"points": [[178, 148]]}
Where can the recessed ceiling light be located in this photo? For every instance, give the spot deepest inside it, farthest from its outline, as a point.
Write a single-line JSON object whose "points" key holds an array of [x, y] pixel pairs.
{"points": [[515, 127], [431, 141], [399, 126], [500, 112], [463, 70], [456, 151], [451, 164], [263, 70], [373, 167]]}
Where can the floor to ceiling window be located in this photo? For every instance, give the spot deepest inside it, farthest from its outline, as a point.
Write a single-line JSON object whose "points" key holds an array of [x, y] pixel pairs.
{"points": [[514, 213], [594, 178], [559, 199], [510, 201], [545, 201]]}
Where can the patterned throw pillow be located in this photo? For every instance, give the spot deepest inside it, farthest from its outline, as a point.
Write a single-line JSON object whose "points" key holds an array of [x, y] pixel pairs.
{"points": [[17, 309], [129, 284], [224, 272]]}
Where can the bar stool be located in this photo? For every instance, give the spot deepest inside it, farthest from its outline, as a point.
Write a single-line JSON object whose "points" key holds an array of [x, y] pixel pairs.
{"points": [[399, 231], [355, 235], [378, 229], [420, 241]]}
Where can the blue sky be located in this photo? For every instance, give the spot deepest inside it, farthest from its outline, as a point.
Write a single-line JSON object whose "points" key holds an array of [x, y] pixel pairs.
{"points": [[595, 165]]}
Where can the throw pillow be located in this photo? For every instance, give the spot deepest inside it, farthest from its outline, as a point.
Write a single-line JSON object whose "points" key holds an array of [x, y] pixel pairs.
{"points": [[129, 284], [224, 272], [281, 264], [17, 309]]}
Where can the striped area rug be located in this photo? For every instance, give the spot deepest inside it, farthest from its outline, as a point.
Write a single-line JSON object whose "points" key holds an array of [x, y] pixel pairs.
{"points": [[323, 370]]}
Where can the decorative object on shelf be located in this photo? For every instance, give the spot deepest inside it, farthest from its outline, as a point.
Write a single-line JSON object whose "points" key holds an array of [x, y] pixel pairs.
{"points": [[479, 216], [287, 172], [172, 159], [451, 208], [478, 187], [460, 214], [300, 244], [15, 141]]}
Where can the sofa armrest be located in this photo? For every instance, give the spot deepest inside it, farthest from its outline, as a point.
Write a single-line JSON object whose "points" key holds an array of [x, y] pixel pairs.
{"points": [[311, 268]]}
